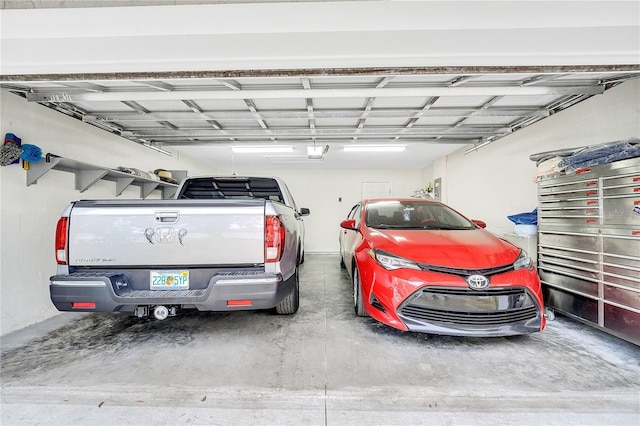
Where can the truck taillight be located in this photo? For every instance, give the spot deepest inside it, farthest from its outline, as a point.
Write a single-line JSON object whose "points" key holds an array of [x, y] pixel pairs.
{"points": [[61, 240], [273, 239]]}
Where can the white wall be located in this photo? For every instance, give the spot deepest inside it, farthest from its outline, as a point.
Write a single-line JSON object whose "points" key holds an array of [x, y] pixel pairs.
{"points": [[29, 214], [496, 181], [320, 191]]}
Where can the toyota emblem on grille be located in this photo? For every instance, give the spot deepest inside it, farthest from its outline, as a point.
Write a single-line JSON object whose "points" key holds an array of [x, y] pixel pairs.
{"points": [[478, 282]]}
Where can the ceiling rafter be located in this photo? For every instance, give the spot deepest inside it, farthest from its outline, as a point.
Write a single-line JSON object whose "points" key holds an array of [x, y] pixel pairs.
{"points": [[369, 104], [164, 87], [415, 117], [196, 109], [484, 107], [136, 107], [462, 107], [306, 84], [244, 94], [158, 134], [285, 114], [89, 87]]}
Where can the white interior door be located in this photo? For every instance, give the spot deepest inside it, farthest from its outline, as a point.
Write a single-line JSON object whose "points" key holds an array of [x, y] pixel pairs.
{"points": [[376, 190]]}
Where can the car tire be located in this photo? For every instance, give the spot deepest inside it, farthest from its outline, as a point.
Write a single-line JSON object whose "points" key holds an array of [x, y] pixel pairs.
{"points": [[357, 295], [290, 304]]}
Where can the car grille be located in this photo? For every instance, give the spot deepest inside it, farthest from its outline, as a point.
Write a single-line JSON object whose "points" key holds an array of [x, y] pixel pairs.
{"points": [[469, 307], [461, 272]]}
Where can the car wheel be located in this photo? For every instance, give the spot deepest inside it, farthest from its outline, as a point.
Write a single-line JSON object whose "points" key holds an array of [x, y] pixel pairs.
{"points": [[290, 304], [357, 295]]}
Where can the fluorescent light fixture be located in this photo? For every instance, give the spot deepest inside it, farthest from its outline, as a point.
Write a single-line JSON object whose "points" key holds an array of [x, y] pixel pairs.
{"points": [[261, 149], [374, 148], [155, 147], [478, 146]]}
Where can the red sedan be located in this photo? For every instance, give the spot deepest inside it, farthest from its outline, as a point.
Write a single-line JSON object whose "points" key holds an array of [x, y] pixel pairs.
{"points": [[419, 265]]}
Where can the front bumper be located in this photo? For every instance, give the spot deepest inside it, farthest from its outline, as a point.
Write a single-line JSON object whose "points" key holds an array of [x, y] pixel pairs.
{"points": [[465, 312], [225, 292], [440, 303]]}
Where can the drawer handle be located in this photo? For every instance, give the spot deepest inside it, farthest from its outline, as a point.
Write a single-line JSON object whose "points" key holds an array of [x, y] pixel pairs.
{"points": [[591, 193], [636, 179], [592, 183], [591, 203]]}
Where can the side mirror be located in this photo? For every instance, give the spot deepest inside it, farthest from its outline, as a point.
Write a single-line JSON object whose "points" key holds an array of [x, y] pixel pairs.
{"points": [[479, 223], [348, 224], [304, 211]]}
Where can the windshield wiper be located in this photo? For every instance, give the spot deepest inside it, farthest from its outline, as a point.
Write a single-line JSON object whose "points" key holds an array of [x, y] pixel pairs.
{"points": [[447, 227], [403, 227]]}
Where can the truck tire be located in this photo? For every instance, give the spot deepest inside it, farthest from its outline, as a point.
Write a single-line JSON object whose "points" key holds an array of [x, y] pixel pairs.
{"points": [[290, 304]]}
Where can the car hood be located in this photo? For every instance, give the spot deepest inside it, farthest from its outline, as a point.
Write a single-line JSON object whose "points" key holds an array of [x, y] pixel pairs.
{"points": [[474, 249]]}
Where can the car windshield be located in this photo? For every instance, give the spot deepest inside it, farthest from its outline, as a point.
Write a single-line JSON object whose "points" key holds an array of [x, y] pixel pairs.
{"points": [[414, 215]]}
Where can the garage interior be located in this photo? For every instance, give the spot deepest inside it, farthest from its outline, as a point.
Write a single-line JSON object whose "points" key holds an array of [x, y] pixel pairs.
{"points": [[464, 92]]}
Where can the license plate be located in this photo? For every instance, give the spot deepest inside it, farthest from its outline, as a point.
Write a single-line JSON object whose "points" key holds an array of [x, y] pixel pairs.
{"points": [[169, 280]]}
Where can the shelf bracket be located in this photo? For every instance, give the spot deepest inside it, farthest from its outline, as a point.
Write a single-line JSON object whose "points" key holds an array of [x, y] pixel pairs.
{"points": [[146, 188], [122, 184], [87, 177], [36, 170], [168, 192]]}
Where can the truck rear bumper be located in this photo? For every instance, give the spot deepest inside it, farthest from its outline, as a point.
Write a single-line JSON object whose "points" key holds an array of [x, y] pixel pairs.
{"points": [[96, 292]]}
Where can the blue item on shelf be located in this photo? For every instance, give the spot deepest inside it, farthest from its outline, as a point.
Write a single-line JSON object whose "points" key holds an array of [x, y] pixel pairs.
{"points": [[530, 218], [31, 153], [601, 154]]}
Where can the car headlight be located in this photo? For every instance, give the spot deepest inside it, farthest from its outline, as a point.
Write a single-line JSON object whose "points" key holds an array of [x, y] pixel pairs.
{"points": [[523, 261], [391, 262]]}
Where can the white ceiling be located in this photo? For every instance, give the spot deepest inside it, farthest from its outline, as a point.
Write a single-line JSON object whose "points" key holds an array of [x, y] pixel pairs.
{"points": [[434, 76]]}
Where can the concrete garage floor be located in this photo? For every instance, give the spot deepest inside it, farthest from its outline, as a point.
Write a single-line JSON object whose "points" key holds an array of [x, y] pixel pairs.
{"points": [[322, 366]]}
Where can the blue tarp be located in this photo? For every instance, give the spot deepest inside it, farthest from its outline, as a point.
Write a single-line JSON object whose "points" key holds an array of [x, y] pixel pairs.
{"points": [[530, 218], [600, 154]]}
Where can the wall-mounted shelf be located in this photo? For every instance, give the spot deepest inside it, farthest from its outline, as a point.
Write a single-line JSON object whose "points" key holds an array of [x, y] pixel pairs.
{"points": [[88, 174]]}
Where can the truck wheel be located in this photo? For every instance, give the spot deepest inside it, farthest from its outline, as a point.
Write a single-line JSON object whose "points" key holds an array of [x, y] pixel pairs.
{"points": [[290, 304]]}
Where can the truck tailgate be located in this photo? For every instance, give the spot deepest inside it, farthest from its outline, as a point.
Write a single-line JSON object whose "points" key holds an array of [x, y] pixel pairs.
{"points": [[141, 233]]}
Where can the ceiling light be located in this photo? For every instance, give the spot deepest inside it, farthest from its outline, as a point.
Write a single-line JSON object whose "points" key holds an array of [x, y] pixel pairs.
{"points": [[317, 152], [261, 149], [374, 148], [314, 152]]}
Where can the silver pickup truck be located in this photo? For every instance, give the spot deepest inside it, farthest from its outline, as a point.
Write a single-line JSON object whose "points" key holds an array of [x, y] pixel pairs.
{"points": [[224, 244]]}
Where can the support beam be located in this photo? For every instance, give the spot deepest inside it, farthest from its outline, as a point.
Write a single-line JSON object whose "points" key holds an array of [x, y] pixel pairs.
{"points": [[316, 93]]}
